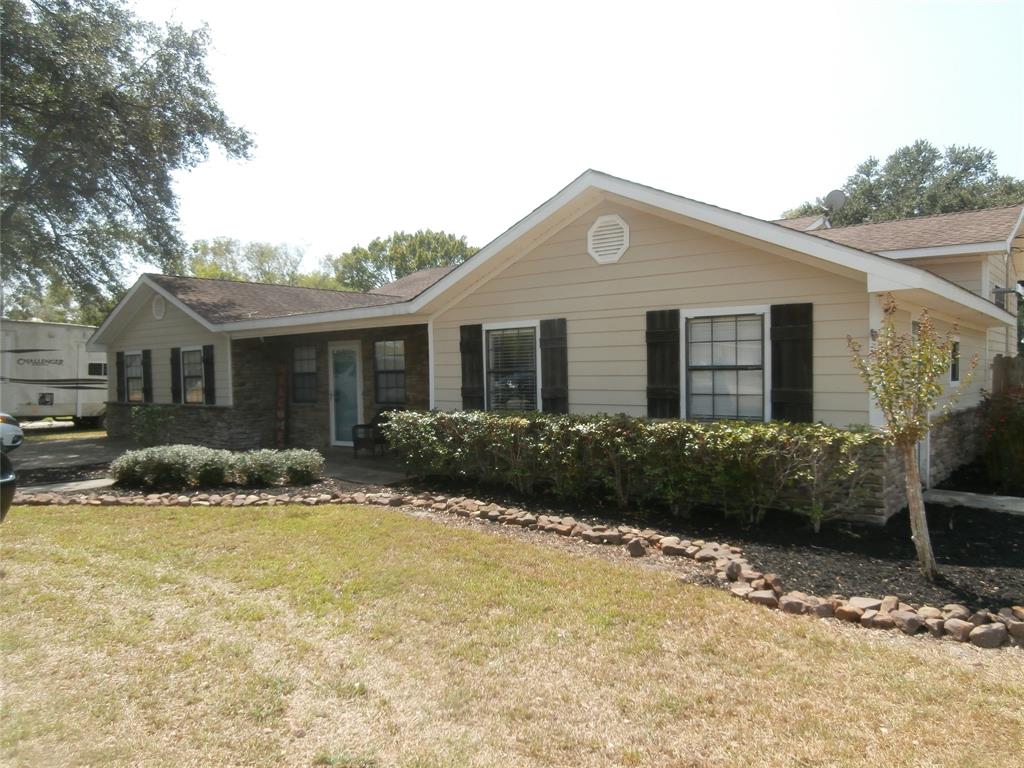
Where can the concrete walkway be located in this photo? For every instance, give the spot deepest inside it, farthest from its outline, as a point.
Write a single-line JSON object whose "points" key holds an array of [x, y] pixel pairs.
{"points": [[79, 486], [366, 470], [73, 452], [1013, 505]]}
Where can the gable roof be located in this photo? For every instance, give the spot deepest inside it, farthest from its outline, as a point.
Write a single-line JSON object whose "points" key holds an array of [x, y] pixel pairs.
{"points": [[414, 284], [261, 307], [231, 301], [986, 226]]}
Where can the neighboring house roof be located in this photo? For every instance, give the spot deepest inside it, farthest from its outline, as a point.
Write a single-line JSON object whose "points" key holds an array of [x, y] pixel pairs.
{"points": [[414, 284], [231, 301], [253, 308], [989, 225]]}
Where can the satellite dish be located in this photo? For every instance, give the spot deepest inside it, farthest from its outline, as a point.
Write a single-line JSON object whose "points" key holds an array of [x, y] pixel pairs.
{"points": [[835, 200]]}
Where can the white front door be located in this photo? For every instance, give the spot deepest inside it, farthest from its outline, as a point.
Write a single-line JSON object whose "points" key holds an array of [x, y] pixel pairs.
{"points": [[346, 390]]}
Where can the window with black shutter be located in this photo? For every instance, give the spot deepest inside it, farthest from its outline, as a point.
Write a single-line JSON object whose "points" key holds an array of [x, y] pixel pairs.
{"points": [[133, 384], [554, 366], [725, 367], [512, 369], [792, 339], [471, 350], [663, 364]]}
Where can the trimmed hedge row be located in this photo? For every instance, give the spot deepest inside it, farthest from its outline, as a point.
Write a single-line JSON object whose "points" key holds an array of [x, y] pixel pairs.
{"points": [[193, 466], [741, 468]]}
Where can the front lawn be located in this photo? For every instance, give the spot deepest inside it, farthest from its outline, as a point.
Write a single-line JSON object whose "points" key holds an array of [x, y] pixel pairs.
{"points": [[355, 636]]}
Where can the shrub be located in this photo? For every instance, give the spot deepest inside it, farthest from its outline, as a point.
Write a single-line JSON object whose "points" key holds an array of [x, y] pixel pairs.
{"points": [[193, 466], [1004, 443], [148, 423], [740, 468]]}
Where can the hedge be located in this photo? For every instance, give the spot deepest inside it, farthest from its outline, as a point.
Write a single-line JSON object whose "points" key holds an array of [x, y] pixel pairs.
{"points": [[739, 467], [193, 466]]}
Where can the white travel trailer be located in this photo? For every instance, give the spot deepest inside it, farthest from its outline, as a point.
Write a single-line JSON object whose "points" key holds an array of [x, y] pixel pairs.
{"points": [[45, 370]]}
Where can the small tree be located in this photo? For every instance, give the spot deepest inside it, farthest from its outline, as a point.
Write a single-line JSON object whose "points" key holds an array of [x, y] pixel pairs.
{"points": [[904, 373]]}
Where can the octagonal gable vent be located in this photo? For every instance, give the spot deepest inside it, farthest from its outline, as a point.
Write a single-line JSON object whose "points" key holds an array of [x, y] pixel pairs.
{"points": [[608, 239]]}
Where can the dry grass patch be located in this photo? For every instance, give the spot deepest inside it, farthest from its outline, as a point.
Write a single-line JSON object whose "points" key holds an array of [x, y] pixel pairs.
{"points": [[352, 636]]}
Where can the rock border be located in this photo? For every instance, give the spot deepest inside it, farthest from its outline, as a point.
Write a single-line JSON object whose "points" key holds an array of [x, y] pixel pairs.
{"points": [[732, 571]]}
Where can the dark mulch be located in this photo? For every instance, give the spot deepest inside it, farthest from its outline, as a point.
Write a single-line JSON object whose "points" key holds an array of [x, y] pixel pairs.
{"points": [[47, 475], [980, 554], [972, 478]]}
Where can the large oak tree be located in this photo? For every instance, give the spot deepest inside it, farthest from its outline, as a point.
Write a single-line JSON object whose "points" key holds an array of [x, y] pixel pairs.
{"points": [[99, 109], [387, 259]]}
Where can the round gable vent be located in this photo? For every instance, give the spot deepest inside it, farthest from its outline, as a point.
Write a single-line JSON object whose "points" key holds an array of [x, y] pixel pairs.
{"points": [[159, 307], [608, 239]]}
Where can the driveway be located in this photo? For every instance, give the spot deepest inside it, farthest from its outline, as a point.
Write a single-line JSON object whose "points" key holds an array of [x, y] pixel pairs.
{"points": [[49, 454]]}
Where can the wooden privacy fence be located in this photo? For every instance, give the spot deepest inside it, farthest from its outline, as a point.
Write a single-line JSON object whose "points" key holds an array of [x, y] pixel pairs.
{"points": [[1007, 374]]}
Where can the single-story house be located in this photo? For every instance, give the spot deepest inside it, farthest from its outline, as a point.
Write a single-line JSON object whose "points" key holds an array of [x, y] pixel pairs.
{"points": [[610, 297]]}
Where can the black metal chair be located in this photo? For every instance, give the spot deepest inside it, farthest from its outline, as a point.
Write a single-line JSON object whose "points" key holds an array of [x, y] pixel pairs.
{"points": [[371, 435]]}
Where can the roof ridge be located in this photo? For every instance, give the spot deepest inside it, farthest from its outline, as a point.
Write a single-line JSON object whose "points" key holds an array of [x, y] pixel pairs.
{"points": [[918, 218], [273, 285]]}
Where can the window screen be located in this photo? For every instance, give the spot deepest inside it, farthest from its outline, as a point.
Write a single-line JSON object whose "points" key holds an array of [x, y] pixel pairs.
{"points": [[512, 369], [98, 369], [725, 367], [192, 375], [304, 374], [389, 372]]}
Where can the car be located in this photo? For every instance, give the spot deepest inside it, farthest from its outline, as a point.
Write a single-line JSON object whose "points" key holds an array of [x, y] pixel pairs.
{"points": [[11, 435], [8, 484]]}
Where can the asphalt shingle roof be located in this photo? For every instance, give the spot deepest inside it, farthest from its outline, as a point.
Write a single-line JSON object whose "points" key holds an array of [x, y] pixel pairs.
{"points": [[229, 301], [984, 226], [413, 285]]}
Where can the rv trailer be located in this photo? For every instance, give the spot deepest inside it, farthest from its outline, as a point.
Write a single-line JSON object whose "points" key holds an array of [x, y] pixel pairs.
{"points": [[45, 370]]}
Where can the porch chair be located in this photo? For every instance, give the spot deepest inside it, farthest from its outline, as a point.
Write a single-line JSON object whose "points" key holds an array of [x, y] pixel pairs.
{"points": [[371, 435]]}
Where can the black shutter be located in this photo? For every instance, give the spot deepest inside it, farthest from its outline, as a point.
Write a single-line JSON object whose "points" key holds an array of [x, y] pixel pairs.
{"points": [[209, 383], [663, 364], [554, 366], [120, 377], [176, 375], [792, 362], [471, 345], [147, 376]]}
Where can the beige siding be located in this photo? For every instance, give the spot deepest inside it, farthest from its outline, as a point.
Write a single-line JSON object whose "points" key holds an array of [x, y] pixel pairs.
{"points": [[668, 265], [967, 273], [176, 329]]}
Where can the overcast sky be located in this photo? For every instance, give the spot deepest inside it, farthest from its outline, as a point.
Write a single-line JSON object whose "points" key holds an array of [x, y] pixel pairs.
{"points": [[371, 117]]}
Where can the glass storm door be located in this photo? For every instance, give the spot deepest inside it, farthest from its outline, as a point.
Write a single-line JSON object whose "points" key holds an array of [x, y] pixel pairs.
{"points": [[345, 392]]}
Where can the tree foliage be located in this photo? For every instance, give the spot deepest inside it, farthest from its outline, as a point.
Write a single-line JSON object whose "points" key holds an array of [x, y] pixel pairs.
{"points": [[224, 258], [58, 304], [904, 373], [100, 109], [387, 259], [921, 180]]}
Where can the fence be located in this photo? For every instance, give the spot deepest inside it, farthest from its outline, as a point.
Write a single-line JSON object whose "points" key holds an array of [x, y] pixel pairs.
{"points": [[1007, 374]]}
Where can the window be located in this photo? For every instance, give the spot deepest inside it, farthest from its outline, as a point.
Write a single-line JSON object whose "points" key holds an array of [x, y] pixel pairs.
{"points": [[133, 377], [192, 375], [512, 369], [725, 367], [954, 363], [304, 374], [389, 372], [97, 369]]}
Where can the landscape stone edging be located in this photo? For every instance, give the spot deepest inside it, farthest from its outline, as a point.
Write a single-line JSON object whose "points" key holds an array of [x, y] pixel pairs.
{"points": [[953, 621]]}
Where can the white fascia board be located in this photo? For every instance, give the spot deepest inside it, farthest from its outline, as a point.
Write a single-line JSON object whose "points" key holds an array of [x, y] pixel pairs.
{"points": [[946, 250]]}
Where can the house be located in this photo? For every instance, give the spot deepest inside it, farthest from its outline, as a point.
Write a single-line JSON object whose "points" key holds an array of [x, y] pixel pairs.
{"points": [[610, 297]]}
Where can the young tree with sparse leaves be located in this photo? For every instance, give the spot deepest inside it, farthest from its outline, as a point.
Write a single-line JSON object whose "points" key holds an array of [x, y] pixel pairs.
{"points": [[904, 373]]}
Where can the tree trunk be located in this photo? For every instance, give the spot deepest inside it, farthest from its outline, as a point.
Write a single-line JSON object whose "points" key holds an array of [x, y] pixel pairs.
{"points": [[918, 520]]}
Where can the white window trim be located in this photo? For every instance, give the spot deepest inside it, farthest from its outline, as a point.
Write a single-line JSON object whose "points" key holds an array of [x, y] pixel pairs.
{"points": [[765, 310], [126, 395], [202, 361], [535, 324]]}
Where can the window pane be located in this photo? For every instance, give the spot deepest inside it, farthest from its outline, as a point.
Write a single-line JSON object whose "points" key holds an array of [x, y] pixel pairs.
{"points": [[749, 327], [748, 352], [304, 359], [699, 330], [750, 382], [750, 407], [725, 406], [192, 363], [725, 382], [701, 382], [389, 362], [134, 388], [512, 369], [193, 389], [701, 407], [700, 354], [132, 366], [724, 329], [724, 353]]}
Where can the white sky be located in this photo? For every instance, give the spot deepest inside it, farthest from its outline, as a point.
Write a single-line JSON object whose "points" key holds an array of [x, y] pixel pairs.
{"points": [[371, 117]]}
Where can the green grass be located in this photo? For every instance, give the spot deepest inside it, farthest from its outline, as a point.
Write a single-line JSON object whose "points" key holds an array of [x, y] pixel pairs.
{"points": [[355, 636]]}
